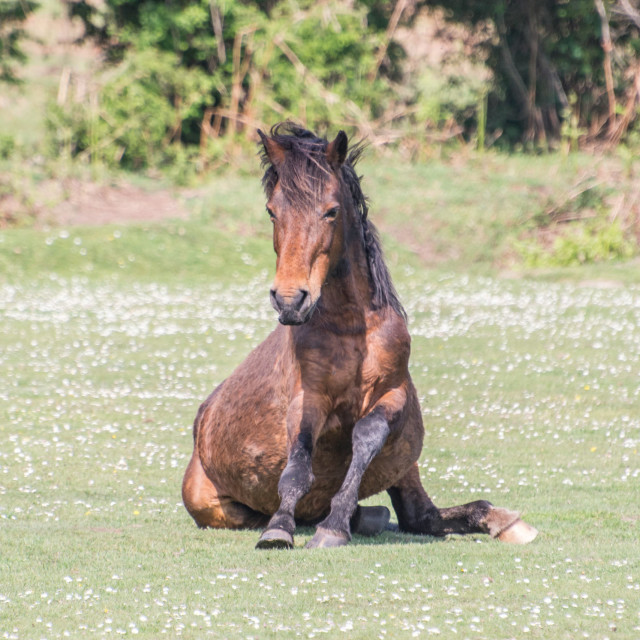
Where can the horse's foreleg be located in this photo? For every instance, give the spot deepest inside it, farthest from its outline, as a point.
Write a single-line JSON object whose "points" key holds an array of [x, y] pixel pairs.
{"points": [[418, 514], [294, 483], [369, 435], [297, 477]]}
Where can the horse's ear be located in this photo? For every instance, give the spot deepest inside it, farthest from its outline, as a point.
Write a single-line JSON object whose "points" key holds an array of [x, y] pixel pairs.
{"points": [[337, 151], [274, 151]]}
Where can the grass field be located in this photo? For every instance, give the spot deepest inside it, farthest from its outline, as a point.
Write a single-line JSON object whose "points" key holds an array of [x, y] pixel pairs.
{"points": [[110, 337]]}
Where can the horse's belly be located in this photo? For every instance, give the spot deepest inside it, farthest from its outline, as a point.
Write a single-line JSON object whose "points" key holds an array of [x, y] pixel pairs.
{"points": [[243, 449], [252, 478], [247, 468], [258, 486]]}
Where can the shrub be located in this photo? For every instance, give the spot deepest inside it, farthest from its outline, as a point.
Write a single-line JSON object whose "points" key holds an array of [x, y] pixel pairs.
{"points": [[133, 118], [587, 244], [7, 145]]}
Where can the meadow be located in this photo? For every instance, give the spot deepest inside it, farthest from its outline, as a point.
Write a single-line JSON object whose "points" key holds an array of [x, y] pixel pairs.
{"points": [[110, 337]]}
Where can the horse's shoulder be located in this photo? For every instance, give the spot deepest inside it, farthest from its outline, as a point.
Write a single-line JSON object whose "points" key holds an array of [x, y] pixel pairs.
{"points": [[386, 362], [389, 332]]}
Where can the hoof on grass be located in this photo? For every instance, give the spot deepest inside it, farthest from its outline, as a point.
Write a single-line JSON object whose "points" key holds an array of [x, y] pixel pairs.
{"points": [[275, 539], [518, 533], [324, 539], [370, 521]]}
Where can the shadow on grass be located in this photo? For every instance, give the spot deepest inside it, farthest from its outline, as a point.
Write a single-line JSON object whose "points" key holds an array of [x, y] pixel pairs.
{"points": [[389, 537]]}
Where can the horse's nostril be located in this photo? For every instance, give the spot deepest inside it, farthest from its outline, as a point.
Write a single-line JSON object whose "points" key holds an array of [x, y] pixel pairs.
{"points": [[292, 308], [299, 300], [276, 300]]}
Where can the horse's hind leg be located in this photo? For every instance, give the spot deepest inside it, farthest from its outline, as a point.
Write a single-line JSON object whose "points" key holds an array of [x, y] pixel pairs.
{"points": [[417, 514], [210, 509]]}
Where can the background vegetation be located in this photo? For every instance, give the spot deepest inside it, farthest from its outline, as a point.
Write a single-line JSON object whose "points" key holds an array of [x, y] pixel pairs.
{"points": [[192, 78], [178, 89], [551, 66]]}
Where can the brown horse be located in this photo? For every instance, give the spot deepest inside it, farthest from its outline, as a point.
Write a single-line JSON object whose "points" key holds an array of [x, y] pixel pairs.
{"points": [[323, 413]]}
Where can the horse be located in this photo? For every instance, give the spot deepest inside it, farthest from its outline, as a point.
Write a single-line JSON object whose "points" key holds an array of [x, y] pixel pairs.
{"points": [[323, 413]]}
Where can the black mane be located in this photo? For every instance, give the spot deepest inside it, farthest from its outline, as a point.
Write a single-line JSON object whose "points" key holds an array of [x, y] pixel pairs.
{"points": [[302, 175]]}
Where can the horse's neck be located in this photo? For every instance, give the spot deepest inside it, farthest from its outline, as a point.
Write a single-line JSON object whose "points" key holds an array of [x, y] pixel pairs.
{"points": [[346, 295]]}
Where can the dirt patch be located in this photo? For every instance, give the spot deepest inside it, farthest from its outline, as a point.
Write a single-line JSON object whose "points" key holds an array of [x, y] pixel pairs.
{"points": [[73, 201], [87, 203], [424, 247]]}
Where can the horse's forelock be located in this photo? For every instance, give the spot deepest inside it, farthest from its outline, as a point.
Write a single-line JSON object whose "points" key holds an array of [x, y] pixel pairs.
{"points": [[305, 168]]}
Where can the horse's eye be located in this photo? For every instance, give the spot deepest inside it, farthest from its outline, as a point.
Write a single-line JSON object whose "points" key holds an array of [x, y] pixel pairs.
{"points": [[331, 214], [271, 215]]}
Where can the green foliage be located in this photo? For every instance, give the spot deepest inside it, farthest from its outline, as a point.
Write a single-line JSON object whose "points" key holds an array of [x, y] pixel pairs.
{"points": [[136, 116], [588, 244], [448, 97], [17, 207], [548, 64], [250, 63], [7, 145], [336, 53], [12, 14], [578, 229], [230, 66]]}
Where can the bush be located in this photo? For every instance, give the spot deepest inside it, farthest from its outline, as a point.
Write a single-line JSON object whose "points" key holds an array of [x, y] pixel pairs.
{"points": [[182, 71], [133, 118], [12, 15], [588, 244], [7, 145]]}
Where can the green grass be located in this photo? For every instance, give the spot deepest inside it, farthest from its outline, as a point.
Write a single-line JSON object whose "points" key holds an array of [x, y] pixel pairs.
{"points": [[110, 337], [464, 214], [530, 397], [174, 251], [469, 211]]}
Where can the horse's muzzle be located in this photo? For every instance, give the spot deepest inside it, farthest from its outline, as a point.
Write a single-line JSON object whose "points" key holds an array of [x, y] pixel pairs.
{"points": [[295, 309]]}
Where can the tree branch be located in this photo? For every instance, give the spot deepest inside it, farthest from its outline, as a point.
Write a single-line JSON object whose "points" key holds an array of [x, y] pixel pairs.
{"points": [[627, 10], [520, 89], [607, 47], [216, 23], [401, 5]]}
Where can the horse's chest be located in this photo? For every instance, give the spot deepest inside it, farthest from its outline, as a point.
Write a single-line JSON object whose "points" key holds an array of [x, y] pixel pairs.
{"points": [[347, 378], [334, 370]]}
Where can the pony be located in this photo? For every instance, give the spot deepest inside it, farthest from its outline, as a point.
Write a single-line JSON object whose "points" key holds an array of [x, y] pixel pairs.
{"points": [[323, 413]]}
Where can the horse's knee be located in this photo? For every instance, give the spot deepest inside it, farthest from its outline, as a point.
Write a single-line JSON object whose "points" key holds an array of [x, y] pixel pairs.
{"points": [[297, 477]]}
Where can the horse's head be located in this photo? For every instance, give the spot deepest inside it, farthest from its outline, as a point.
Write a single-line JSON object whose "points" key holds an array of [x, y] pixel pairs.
{"points": [[305, 204]]}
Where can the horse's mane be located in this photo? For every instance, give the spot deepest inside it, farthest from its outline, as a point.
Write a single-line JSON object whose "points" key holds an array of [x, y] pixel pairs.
{"points": [[302, 175]]}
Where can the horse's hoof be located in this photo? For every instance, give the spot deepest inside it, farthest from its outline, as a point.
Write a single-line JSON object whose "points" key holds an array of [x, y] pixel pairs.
{"points": [[370, 521], [324, 539], [275, 539], [518, 533]]}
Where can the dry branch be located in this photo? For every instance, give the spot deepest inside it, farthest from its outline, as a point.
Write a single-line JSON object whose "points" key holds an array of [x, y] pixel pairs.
{"points": [[630, 12], [398, 10], [217, 24], [607, 47], [360, 121]]}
